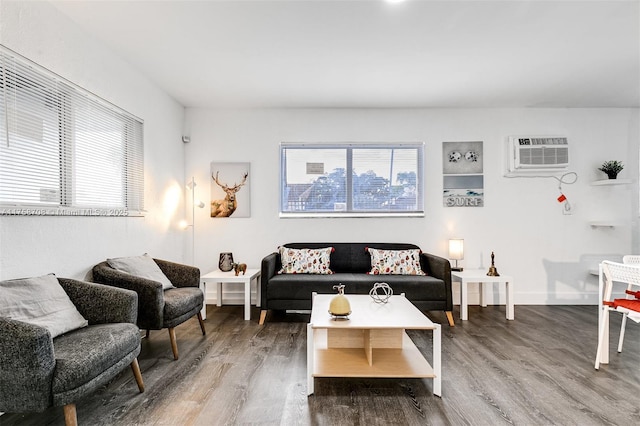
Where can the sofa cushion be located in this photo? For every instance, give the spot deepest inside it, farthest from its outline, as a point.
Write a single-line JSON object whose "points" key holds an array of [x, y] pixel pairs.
{"points": [[40, 301], [179, 301], [306, 260], [84, 354], [395, 262], [301, 286], [141, 266]]}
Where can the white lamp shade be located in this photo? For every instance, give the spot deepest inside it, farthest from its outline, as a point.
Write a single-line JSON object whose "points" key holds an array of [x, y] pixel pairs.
{"points": [[456, 249]]}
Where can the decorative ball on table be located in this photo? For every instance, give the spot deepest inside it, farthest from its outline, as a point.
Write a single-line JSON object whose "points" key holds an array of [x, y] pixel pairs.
{"points": [[381, 292]]}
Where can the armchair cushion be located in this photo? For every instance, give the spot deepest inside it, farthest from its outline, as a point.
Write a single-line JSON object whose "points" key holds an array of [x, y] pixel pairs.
{"points": [[40, 301], [141, 266], [181, 304], [85, 355]]}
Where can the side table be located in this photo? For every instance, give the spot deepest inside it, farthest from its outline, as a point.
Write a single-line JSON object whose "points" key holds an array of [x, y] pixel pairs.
{"points": [[480, 276], [220, 277]]}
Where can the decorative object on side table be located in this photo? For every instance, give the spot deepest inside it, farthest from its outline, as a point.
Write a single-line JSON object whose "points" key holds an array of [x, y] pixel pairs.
{"points": [[226, 262], [456, 252], [377, 297], [340, 308], [493, 272], [612, 168], [239, 267]]}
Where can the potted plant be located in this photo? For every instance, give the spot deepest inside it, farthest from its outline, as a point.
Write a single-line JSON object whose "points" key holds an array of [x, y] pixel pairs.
{"points": [[612, 168]]}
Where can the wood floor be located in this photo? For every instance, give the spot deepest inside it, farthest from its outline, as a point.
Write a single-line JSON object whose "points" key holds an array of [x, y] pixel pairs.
{"points": [[536, 370]]}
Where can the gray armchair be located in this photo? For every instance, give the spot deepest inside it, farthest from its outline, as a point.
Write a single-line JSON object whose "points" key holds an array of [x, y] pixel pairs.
{"points": [[37, 372], [158, 308]]}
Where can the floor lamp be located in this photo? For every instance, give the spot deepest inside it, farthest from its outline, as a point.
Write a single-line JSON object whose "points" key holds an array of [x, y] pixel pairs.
{"points": [[192, 186]]}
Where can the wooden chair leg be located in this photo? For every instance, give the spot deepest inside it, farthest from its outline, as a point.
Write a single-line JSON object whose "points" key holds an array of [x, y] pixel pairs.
{"points": [[137, 374], [450, 318], [174, 344], [70, 417], [263, 316], [204, 332]]}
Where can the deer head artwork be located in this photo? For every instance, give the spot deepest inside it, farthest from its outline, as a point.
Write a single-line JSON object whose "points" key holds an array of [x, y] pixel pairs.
{"points": [[226, 207]]}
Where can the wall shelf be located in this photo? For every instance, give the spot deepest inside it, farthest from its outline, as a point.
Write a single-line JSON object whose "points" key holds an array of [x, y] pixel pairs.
{"points": [[608, 182], [603, 224]]}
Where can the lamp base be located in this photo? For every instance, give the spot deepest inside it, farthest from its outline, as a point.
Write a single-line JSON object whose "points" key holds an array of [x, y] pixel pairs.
{"points": [[457, 268]]}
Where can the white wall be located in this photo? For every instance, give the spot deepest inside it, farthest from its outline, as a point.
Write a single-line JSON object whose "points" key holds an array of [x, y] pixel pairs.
{"points": [[548, 253], [70, 246]]}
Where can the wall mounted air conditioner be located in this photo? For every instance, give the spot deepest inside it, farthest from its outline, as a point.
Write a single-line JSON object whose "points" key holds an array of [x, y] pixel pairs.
{"points": [[537, 154]]}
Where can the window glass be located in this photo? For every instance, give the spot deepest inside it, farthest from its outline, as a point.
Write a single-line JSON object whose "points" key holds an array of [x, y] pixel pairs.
{"points": [[351, 180]]}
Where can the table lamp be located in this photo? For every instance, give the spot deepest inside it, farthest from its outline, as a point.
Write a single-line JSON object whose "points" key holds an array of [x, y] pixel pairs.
{"points": [[456, 252]]}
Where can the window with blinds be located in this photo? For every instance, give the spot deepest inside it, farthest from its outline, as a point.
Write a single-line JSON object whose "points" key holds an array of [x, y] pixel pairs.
{"points": [[358, 180], [63, 150]]}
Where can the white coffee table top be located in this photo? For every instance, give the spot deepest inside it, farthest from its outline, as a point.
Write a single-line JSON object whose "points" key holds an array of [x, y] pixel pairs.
{"points": [[398, 312]]}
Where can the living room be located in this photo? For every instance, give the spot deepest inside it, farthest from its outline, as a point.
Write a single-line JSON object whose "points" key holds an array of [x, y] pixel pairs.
{"points": [[591, 98]]}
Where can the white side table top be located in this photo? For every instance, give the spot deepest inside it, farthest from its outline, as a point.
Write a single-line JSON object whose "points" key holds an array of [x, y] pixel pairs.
{"points": [[229, 277], [480, 275]]}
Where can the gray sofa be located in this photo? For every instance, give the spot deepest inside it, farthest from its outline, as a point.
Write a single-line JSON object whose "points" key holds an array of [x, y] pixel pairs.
{"points": [[350, 263]]}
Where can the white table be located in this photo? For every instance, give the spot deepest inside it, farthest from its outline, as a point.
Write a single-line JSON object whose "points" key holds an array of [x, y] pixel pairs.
{"points": [[371, 343], [220, 277], [480, 276]]}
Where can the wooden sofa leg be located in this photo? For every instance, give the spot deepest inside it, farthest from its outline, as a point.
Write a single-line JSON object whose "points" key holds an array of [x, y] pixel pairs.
{"points": [[204, 332], [137, 374], [174, 344], [148, 333], [70, 417], [263, 316], [450, 318]]}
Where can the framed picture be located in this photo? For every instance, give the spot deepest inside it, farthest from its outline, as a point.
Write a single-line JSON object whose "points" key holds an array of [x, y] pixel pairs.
{"points": [[230, 189], [463, 181]]}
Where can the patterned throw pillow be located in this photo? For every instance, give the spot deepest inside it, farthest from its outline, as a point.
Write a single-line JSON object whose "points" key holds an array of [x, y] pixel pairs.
{"points": [[395, 262], [305, 261]]}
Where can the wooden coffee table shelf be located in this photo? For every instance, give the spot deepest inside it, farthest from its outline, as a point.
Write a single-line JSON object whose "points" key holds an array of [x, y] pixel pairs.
{"points": [[372, 343]]}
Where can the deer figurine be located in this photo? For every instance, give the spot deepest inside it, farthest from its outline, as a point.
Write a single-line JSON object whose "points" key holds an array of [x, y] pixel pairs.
{"points": [[226, 207]]}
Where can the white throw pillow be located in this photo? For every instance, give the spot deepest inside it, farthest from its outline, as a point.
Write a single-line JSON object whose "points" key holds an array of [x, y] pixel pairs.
{"points": [[40, 301], [141, 266], [395, 262], [305, 261]]}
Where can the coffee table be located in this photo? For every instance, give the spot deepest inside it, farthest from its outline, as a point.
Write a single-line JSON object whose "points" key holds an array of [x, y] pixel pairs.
{"points": [[371, 343]]}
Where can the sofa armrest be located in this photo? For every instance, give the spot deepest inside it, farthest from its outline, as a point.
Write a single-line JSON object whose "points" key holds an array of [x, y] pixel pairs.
{"points": [[180, 275], [27, 364], [150, 293], [268, 269], [439, 267], [102, 304]]}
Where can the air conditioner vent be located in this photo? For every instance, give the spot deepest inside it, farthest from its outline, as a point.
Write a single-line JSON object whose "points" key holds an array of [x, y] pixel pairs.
{"points": [[535, 154]]}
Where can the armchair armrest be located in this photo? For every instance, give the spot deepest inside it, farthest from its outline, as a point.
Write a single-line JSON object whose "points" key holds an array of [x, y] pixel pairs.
{"points": [[150, 293], [180, 275], [26, 366], [102, 304], [439, 267], [268, 269]]}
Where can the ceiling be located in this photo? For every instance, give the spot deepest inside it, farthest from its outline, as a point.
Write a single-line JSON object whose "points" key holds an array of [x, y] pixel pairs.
{"points": [[374, 54]]}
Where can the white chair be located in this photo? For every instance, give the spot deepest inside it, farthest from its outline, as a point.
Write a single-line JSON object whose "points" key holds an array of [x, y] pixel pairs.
{"points": [[626, 273], [630, 259]]}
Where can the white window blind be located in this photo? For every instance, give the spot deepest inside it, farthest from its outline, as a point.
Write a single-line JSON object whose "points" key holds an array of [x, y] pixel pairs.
{"points": [[351, 180], [63, 150]]}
